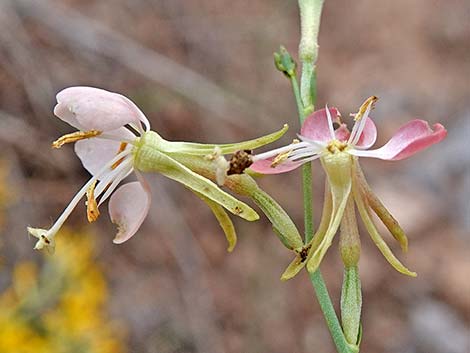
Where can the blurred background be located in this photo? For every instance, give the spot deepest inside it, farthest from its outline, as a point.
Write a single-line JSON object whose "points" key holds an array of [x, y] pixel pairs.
{"points": [[202, 70]]}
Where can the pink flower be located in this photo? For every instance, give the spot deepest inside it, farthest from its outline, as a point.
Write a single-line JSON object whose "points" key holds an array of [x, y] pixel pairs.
{"points": [[339, 149]]}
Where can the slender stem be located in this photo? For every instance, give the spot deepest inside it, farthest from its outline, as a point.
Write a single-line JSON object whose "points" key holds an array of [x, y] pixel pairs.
{"points": [[310, 12], [329, 312]]}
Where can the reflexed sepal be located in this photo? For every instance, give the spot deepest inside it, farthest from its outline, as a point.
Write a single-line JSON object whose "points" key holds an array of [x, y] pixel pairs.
{"points": [[349, 241], [338, 170], [223, 219], [148, 159], [245, 185], [282, 224], [364, 211], [307, 251], [377, 206], [202, 149]]}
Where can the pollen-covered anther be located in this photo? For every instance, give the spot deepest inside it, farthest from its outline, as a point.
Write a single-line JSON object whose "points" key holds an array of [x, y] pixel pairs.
{"points": [[92, 211], [74, 137], [122, 147], [281, 157], [240, 161], [362, 110], [336, 146]]}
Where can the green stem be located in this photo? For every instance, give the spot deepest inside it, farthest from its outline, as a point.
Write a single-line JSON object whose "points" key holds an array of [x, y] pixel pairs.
{"points": [[310, 12], [329, 313]]}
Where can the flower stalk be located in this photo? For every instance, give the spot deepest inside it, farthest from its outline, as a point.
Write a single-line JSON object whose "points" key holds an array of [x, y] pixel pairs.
{"points": [[310, 13]]}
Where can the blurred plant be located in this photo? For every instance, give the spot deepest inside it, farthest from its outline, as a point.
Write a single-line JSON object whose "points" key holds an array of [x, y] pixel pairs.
{"points": [[7, 195], [60, 305]]}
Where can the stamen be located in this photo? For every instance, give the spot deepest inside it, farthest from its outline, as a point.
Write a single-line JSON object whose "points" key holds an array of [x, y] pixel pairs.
{"points": [[78, 196], [122, 147], [292, 147], [281, 157], [369, 102], [122, 172], [92, 211], [360, 119], [330, 122], [75, 136]]}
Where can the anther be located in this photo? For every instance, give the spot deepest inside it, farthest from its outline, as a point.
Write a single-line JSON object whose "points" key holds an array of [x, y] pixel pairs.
{"points": [[282, 157], [122, 147], [92, 211], [368, 102], [75, 136], [240, 161]]}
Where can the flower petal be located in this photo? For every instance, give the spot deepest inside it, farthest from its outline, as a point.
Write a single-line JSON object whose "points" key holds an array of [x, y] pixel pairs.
{"points": [[368, 135], [315, 126], [264, 166], [94, 153], [411, 138], [128, 207], [89, 108], [342, 133]]}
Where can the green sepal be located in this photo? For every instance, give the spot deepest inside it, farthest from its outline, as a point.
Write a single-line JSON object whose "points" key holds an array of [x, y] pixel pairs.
{"points": [[338, 170], [245, 185], [148, 159], [202, 149], [282, 224], [380, 210], [364, 211], [224, 221], [307, 251]]}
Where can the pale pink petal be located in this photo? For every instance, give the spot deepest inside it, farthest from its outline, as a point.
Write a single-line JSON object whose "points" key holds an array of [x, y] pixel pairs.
{"points": [[264, 166], [315, 127], [143, 119], [368, 136], [95, 152], [342, 133], [408, 140], [128, 207], [92, 108]]}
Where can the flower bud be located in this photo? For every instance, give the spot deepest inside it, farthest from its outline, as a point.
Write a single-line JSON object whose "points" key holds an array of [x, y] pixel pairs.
{"points": [[351, 303], [284, 62]]}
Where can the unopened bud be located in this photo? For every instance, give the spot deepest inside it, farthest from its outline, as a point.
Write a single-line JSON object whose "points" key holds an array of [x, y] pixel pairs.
{"points": [[351, 304], [284, 62]]}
